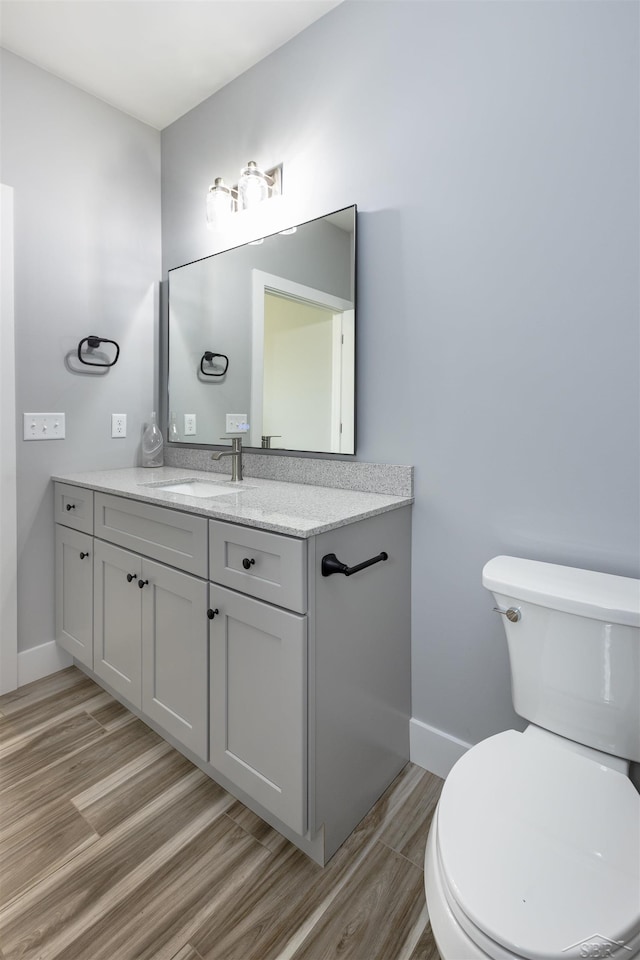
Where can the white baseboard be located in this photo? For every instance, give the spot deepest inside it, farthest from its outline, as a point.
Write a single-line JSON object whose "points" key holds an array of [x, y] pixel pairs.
{"points": [[38, 662], [434, 749]]}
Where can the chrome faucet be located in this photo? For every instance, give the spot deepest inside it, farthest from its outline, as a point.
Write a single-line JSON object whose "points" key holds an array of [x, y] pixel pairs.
{"points": [[236, 458]]}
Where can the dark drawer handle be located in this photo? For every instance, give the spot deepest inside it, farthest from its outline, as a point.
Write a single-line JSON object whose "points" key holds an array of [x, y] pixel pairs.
{"points": [[247, 563], [83, 555], [211, 613], [71, 506], [131, 576], [141, 583]]}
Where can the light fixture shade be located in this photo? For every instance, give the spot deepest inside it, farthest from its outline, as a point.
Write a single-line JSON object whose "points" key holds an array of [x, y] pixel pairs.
{"points": [[220, 202], [253, 186]]}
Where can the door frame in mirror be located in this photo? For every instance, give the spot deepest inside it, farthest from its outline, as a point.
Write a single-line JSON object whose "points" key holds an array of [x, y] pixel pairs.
{"points": [[263, 283]]}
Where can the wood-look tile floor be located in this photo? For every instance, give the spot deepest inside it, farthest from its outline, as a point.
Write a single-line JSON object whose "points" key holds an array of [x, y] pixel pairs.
{"points": [[115, 847]]}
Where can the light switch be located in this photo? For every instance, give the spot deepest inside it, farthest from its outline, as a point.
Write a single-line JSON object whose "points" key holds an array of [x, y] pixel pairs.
{"points": [[236, 423], [44, 426]]}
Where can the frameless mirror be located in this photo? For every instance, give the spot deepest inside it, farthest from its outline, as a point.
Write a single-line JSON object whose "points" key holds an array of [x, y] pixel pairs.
{"points": [[264, 334]]}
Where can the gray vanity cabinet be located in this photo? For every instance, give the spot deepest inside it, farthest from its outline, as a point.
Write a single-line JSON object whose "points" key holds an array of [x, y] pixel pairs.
{"points": [[174, 654], [150, 638], [118, 620], [284, 680], [258, 690], [74, 593]]}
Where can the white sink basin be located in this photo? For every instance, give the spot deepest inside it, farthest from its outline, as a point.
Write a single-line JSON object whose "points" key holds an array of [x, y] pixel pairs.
{"points": [[194, 487]]}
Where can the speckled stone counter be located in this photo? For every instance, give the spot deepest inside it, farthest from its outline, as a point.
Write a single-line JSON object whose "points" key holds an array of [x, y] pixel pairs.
{"points": [[296, 509], [391, 478]]}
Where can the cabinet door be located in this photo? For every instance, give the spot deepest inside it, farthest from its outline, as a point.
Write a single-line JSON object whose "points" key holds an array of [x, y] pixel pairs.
{"points": [[258, 669], [118, 619], [74, 593], [174, 654]]}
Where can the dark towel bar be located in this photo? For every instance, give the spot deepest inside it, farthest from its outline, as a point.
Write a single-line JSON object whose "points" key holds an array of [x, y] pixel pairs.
{"points": [[331, 564]]}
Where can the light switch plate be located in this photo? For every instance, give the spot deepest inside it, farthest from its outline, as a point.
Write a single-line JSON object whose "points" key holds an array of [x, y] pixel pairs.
{"points": [[236, 423], [44, 426]]}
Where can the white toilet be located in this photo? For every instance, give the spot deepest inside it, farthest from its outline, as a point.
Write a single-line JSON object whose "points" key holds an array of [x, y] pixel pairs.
{"points": [[534, 848]]}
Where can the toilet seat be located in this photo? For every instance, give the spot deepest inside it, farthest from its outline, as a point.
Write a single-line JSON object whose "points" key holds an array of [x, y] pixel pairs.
{"points": [[538, 850]]}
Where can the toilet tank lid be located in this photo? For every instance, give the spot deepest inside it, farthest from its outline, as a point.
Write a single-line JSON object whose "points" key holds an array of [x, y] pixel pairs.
{"points": [[587, 593]]}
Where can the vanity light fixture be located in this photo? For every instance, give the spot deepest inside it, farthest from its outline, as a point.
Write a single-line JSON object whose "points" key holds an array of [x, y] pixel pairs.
{"points": [[220, 201], [253, 187]]}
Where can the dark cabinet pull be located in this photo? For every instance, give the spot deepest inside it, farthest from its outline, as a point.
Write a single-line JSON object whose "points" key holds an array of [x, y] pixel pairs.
{"points": [[211, 613], [141, 583], [131, 576], [83, 555], [71, 506], [331, 564], [247, 563]]}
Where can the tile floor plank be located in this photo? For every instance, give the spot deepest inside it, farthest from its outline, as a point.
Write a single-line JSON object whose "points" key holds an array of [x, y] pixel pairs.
{"points": [[41, 845], [51, 914], [160, 914], [142, 786], [112, 715], [407, 832], [54, 685], [187, 953], [386, 896], [49, 745], [75, 772], [117, 848]]}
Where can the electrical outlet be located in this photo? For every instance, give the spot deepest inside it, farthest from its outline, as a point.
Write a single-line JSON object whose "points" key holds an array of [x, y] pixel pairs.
{"points": [[118, 424], [43, 426], [236, 423], [189, 424]]}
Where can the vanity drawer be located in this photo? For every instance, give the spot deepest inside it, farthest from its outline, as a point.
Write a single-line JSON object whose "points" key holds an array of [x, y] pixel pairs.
{"points": [[264, 565], [178, 539], [74, 507]]}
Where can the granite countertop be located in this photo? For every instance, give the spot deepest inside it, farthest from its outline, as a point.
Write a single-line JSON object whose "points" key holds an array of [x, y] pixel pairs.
{"points": [[296, 509]]}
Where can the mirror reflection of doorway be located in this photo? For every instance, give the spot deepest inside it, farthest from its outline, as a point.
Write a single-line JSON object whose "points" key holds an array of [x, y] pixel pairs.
{"points": [[306, 351]]}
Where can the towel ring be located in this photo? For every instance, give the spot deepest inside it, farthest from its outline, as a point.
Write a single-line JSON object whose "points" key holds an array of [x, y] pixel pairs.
{"points": [[92, 344], [208, 355]]}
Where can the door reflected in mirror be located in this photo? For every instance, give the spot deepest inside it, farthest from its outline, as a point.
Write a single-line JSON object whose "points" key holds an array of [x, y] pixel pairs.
{"points": [[265, 333]]}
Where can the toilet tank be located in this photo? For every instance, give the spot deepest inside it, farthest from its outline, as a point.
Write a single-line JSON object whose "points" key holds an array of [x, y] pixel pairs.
{"points": [[574, 651]]}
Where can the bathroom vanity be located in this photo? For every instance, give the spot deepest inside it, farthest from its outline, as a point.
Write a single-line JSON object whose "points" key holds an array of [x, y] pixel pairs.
{"points": [[215, 618]]}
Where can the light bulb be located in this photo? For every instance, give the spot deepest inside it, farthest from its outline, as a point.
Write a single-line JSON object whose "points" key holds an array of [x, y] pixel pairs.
{"points": [[219, 202], [252, 186]]}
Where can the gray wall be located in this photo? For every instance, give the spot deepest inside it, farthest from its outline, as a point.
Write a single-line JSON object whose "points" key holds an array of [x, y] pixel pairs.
{"points": [[492, 149], [86, 182]]}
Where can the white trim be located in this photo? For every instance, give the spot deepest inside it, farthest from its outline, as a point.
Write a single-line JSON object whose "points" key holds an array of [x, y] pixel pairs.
{"points": [[336, 380], [8, 522], [260, 282], [434, 749], [38, 662]]}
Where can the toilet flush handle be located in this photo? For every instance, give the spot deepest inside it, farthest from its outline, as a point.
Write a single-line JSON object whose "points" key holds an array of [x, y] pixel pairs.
{"points": [[513, 613]]}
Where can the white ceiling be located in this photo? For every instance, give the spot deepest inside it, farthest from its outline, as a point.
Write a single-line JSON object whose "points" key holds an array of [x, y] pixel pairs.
{"points": [[153, 59]]}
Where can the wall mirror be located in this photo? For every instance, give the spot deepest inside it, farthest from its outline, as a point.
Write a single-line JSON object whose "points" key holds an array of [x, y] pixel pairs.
{"points": [[264, 334]]}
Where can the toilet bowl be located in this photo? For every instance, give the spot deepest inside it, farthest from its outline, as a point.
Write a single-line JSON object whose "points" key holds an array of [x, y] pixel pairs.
{"points": [[534, 848]]}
